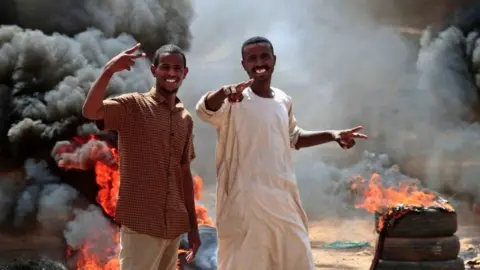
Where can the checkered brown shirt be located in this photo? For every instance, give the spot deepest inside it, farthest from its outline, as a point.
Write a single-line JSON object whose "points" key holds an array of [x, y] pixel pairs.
{"points": [[153, 142]]}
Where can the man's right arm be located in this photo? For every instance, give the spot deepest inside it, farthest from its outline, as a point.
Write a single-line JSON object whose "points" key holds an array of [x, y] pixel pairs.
{"points": [[212, 108], [112, 113], [93, 106], [214, 100]]}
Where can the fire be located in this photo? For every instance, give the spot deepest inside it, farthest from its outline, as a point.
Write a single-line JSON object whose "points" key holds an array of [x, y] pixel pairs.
{"points": [[83, 153], [202, 213], [108, 180], [378, 199]]}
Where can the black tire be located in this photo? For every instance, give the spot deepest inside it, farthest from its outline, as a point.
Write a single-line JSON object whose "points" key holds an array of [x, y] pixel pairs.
{"points": [[420, 249], [428, 223], [457, 264]]}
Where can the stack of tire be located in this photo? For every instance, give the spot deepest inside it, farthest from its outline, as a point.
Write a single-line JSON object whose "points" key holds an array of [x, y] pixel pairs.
{"points": [[421, 241]]}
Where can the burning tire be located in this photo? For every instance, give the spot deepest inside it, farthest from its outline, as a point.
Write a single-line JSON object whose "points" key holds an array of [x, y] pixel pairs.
{"points": [[428, 223], [420, 249], [417, 238], [456, 264]]}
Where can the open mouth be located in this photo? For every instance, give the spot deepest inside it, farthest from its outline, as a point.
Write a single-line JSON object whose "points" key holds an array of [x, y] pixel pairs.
{"points": [[260, 70], [171, 80]]}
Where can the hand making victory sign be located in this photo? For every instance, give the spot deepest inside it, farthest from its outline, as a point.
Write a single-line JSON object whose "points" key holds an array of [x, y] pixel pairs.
{"points": [[234, 92], [125, 60], [346, 138]]}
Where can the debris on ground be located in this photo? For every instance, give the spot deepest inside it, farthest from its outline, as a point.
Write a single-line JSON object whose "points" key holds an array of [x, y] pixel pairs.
{"points": [[471, 256], [473, 264], [364, 253], [346, 245]]}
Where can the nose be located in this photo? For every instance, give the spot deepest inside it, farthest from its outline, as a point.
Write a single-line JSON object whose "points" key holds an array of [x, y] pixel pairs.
{"points": [[171, 72], [259, 62]]}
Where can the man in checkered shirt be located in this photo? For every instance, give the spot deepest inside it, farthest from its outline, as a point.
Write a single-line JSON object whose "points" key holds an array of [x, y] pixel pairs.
{"points": [[156, 199]]}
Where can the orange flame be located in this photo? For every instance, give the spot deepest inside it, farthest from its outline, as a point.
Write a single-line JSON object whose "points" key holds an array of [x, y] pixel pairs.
{"points": [[108, 180], [379, 199]]}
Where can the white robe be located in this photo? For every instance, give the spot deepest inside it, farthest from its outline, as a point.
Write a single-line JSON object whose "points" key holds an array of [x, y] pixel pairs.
{"points": [[260, 222]]}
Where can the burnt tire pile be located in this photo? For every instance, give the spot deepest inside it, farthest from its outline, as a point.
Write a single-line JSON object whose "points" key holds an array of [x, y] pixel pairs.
{"points": [[421, 241]]}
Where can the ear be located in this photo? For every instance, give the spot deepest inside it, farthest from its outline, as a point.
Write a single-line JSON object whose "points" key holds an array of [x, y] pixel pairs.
{"points": [[152, 69], [185, 72], [274, 59], [243, 64]]}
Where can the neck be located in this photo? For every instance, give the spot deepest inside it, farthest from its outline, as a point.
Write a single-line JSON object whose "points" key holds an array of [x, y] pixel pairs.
{"points": [[262, 88], [168, 95]]}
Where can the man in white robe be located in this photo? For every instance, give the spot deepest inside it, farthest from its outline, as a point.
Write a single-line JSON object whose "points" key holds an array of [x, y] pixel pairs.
{"points": [[260, 222]]}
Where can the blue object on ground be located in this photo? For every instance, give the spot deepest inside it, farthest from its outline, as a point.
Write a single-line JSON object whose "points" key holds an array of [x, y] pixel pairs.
{"points": [[206, 257], [346, 244]]}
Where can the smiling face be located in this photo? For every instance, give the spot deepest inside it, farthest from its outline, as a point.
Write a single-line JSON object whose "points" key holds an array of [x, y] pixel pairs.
{"points": [[258, 60], [170, 71]]}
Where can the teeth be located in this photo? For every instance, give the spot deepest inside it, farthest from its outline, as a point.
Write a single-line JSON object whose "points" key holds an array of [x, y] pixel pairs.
{"points": [[171, 80], [259, 71]]}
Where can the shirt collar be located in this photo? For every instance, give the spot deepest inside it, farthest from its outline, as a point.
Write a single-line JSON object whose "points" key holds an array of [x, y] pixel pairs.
{"points": [[159, 98]]}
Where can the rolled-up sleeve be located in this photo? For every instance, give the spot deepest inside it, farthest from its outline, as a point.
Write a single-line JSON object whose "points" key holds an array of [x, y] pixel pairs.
{"points": [[117, 112], [294, 130], [214, 118]]}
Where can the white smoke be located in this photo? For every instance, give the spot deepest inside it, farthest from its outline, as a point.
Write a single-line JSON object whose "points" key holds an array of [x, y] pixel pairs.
{"points": [[343, 68], [89, 224]]}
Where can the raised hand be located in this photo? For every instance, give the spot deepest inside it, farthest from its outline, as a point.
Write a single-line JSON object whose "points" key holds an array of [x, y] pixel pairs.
{"points": [[125, 60], [234, 92], [346, 138]]}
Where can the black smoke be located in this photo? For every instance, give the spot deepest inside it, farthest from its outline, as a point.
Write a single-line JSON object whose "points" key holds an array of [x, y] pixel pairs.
{"points": [[52, 51]]}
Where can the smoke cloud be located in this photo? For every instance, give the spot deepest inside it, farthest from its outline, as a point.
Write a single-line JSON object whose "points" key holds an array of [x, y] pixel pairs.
{"points": [[343, 67], [339, 62]]}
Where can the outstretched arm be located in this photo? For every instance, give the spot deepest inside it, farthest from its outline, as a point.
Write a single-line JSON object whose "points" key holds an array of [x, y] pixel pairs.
{"points": [[313, 138], [302, 139], [345, 138]]}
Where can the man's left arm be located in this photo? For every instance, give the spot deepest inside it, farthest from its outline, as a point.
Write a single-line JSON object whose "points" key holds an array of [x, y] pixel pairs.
{"points": [[189, 193], [300, 138]]}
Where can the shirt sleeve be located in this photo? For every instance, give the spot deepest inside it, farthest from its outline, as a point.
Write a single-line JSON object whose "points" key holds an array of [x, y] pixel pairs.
{"points": [[214, 118], [189, 149], [294, 130], [117, 112]]}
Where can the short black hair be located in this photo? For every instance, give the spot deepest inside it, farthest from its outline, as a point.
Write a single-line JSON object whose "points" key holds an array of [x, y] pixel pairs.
{"points": [[33, 265], [256, 40], [168, 48]]}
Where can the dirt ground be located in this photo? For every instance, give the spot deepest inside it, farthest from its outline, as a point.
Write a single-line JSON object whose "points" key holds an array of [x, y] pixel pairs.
{"points": [[326, 231]]}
